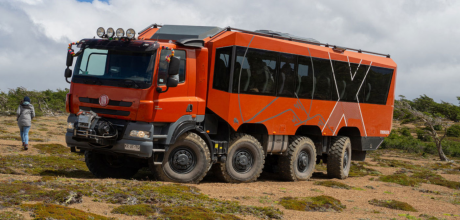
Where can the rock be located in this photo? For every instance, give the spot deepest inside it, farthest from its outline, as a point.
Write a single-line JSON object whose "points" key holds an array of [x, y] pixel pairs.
{"points": [[370, 187]]}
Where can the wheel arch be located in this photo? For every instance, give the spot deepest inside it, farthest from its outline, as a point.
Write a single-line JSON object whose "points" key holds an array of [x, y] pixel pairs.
{"points": [[259, 131], [190, 126], [356, 142]]}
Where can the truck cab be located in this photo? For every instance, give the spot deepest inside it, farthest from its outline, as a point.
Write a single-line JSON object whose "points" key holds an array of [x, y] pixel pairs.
{"points": [[130, 99]]}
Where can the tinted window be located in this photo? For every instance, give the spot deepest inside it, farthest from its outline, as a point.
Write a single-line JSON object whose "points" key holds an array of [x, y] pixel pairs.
{"points": [[377, 85], [305, 83], [287, 75], [348, 77], [322, 79], [164, 66], [222, 68], [255, 73]]}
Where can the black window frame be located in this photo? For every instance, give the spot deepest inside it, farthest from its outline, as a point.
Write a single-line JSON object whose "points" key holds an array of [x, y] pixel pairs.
{"points": [[361, 90], [230, 74], [275, 78]]}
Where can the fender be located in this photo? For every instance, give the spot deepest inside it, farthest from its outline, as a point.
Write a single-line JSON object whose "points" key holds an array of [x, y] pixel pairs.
{"points": [[186, 126]]}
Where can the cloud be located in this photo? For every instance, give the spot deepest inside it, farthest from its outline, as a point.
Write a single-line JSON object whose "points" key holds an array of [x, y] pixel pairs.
{"points": [[420, 36]]}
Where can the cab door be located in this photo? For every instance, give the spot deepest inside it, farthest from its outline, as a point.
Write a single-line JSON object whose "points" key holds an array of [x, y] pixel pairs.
{"points": [[171, 105]]}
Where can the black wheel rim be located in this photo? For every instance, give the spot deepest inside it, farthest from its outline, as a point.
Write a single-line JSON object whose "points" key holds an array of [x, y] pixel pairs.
{"points": [[303, 161], [242, 160], [182, 160], [345, 160]]}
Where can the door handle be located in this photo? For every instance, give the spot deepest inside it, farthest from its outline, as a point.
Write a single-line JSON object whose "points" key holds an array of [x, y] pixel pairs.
{"points": [[189, 108]]}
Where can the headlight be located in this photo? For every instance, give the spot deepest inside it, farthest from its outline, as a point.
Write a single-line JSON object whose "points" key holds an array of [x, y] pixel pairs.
{"points": [[120, 33], [70, 125], [100, 32], [130, 33], [110, 32], [139, 134]]}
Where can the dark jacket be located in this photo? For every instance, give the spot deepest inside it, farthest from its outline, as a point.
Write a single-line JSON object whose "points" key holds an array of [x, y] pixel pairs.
{"points": [[25, 114]]}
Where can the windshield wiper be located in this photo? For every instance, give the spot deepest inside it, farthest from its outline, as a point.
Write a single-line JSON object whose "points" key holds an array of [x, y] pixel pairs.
{"points": [[127, 84]]}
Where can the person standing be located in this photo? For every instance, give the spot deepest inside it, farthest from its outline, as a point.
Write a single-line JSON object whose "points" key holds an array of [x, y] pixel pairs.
{"points": [[25, 114]]}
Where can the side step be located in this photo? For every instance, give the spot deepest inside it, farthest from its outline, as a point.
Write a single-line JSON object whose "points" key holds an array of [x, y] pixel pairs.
{"points": [[158, 151]]}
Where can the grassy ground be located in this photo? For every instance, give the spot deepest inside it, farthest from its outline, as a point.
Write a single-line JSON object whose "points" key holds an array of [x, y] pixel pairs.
{"points": [[50, 181]]}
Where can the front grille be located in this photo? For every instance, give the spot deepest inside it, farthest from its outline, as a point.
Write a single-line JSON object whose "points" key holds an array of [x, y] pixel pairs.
{"points": [[111, 102], [105, 111]]}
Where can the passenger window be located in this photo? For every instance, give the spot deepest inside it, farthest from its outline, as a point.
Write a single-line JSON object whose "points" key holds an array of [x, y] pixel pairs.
{"points": [[323, 79], [377, 85], [222, 68], [349, 78], [287, 76], [164, 66], [306, 81], [254, 73]]}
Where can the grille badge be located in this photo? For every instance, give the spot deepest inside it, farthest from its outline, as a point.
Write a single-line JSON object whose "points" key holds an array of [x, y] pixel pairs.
{"points": [[103, 100]]}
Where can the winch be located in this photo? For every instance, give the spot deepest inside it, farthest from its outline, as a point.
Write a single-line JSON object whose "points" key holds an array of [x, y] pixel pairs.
{"points": [[92, 128]]}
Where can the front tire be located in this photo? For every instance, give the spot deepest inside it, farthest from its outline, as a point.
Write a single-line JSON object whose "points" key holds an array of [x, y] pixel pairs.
{"points": [[245, 160], [186, 161], [299, 161], [109, 166], [339, 158]]}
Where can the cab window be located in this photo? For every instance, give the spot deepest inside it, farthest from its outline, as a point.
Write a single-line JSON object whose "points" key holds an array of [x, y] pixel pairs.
{"points": [[164, 66]]}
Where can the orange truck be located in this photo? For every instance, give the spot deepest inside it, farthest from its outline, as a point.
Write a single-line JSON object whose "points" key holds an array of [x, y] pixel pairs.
{"points": [[184, 100]]}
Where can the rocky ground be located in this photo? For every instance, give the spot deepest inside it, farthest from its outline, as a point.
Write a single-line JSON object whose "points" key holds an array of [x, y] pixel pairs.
{"points": [[49, 181]]}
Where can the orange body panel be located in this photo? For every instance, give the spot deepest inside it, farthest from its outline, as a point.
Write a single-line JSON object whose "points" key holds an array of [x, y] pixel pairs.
{"points": [[283, 116]]}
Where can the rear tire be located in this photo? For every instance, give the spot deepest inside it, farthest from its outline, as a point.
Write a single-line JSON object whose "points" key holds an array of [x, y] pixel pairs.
{"points": [[299, 161], [339, 158], [109, 166], [245, 160], [186, 161]]}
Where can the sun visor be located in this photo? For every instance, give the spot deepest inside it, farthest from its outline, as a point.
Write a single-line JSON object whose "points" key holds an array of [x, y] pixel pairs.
{"points": [[135, 46]]}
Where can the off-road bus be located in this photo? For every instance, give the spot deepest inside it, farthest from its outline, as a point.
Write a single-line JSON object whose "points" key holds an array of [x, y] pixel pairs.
{"points": [[184, 100]]}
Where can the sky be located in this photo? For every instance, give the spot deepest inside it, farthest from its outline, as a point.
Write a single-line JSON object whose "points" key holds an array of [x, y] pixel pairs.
{"points": [[421, 36]]}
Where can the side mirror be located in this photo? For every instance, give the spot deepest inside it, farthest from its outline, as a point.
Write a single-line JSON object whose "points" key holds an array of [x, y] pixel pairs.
{"points": [[172, 81], [174, 64], [69, 59], [68, 73]]}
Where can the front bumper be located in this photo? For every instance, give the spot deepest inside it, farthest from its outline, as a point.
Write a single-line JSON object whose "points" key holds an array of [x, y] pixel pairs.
{"points": [[122, 146]]}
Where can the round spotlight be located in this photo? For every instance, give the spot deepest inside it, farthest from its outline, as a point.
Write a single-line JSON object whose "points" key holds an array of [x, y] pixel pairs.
{"points": [[130, 33], [100, 32], [120, 33], [110, 32]]}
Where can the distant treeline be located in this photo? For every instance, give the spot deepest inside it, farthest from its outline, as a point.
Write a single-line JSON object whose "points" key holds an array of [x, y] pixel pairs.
{"points": [[46, 102], [428, 106]]}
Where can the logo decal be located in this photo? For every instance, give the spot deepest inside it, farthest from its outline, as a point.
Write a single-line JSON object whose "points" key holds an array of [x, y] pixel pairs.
{"points": [[103, 100]]}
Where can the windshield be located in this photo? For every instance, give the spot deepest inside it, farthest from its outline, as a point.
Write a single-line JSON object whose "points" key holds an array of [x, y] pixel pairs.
{"points": [[115, 68]]}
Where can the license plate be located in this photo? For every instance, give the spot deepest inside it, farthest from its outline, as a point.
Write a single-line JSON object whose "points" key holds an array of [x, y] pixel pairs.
{"points": [[133, 147]]}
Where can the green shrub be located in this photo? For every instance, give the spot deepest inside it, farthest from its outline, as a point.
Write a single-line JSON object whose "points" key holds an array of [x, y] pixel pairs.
{"points": [[437, 127], [49, 100], [453, 131], [405, 131], [423, 136]]}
